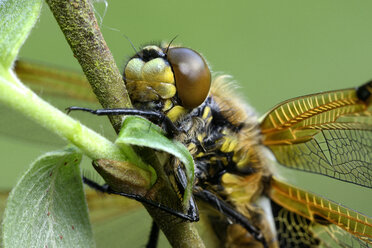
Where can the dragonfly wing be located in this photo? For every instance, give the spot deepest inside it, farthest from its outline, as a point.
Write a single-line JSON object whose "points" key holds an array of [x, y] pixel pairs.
{"points": [[323, 218], [327, 133], [102, 207], [3, 198], [54, 81], [294, 230]]}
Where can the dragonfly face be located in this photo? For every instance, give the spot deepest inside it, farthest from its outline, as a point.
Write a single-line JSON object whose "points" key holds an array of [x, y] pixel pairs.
{"points": [[230, 148], [171, 80]]}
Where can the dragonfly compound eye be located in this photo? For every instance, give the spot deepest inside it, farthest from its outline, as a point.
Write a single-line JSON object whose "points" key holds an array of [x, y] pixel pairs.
{"points": [[192, 75]]}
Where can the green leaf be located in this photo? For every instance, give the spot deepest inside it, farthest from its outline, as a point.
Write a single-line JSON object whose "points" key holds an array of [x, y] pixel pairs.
{"points": [[141, 132], [17, 17], [47, 207]]}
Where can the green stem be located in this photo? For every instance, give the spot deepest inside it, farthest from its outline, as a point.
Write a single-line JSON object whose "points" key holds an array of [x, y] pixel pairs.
{"points": [[19, 97]]}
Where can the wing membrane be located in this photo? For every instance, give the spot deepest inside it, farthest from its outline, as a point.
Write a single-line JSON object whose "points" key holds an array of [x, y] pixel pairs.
{"points": [[322, 212], [56, 82], [298, 232], [328, 133], [334, 236], [102, 207], [293, 230]]}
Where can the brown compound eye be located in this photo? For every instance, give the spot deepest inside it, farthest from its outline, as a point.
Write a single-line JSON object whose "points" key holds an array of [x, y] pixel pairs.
{"points": [[192, 75]]}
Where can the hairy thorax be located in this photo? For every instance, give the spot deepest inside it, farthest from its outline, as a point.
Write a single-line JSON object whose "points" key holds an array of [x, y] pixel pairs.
{"points": [[223, 137]]}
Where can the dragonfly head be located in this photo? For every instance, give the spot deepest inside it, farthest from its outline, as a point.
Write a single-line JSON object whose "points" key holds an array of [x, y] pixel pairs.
{"points": [[172, 80]]}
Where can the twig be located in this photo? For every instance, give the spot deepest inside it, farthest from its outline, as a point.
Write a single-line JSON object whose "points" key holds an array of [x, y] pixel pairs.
{"points": [[79, 25]]}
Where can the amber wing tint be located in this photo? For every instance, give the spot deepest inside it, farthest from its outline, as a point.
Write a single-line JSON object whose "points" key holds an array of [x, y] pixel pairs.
{"points": [[57, 82], [298, 232], [327, 133], [293, 230], [102, 207], [3, 198], [321, 212]]}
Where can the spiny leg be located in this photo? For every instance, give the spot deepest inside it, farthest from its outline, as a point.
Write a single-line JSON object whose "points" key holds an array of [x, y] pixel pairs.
{"points": [[230, 212], [154, 236], [171, 130], [153, 116], [107, 189]]}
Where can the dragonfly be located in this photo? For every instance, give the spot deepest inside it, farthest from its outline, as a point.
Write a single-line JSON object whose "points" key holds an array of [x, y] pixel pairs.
{"points": [[326, 133]]}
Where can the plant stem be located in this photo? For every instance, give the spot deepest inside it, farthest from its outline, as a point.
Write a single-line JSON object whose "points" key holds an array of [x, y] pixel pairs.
{"points": [[79, 25], [21, 98]]}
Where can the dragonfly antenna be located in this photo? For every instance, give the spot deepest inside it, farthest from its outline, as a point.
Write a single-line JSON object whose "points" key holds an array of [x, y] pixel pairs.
{"points": [[166, 51], [134, 48]]}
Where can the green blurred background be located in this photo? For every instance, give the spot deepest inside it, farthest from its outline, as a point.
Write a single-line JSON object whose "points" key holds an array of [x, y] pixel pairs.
{"points": [[275, 50]]}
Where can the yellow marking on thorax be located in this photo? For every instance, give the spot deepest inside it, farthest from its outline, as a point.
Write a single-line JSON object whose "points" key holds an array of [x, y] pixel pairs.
{"points": [[241, 189], [241, 159], [200, 137], [229, 144], [192, 148], [207, 115], [200, 154], [206, 112], [176, 112]]}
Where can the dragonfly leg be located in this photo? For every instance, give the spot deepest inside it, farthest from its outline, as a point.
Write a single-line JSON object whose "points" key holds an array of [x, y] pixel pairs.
{"points": [[230, 212], [156, 117], [154, 236], [107, 189]]}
